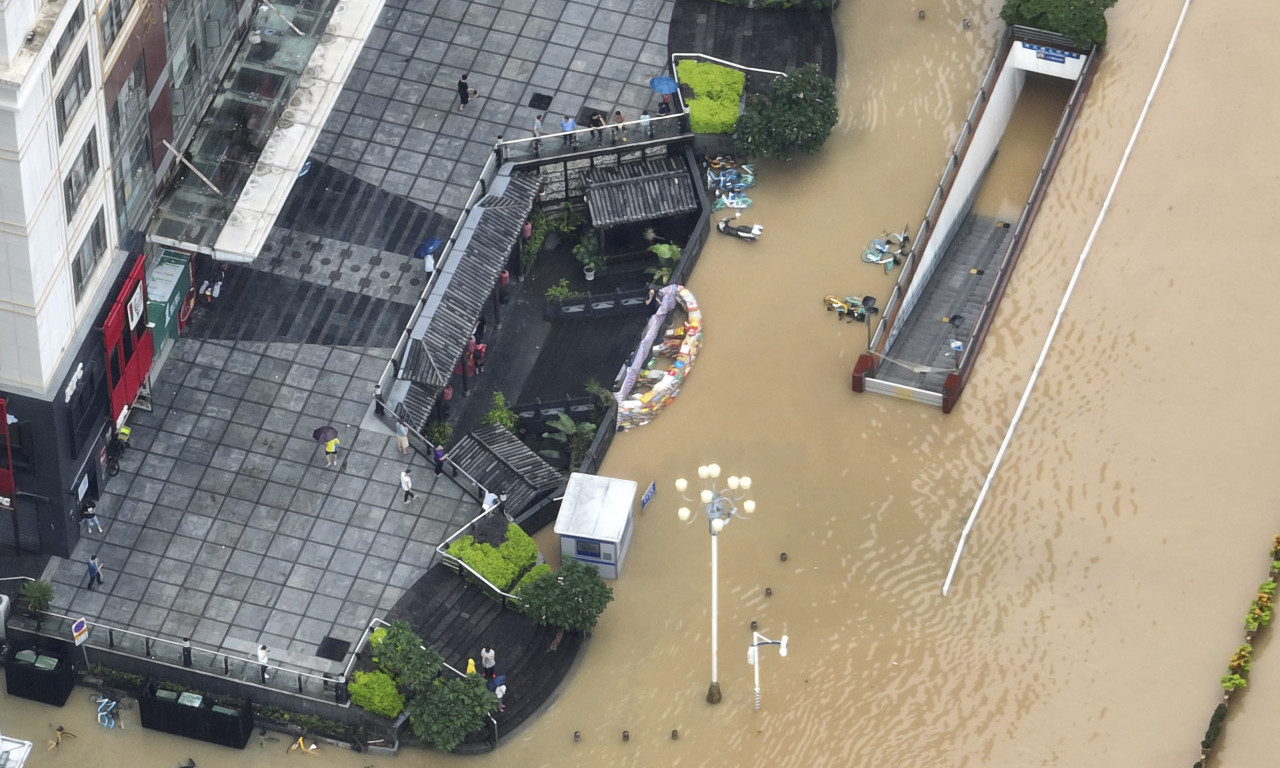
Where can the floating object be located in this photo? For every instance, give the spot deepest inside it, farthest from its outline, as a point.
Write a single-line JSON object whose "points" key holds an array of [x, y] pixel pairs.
{"points": [[920, 15], [674, 734], [965, 23], [783, 557], [577, 735], [754, 625], [768, 591], [626, 735]]}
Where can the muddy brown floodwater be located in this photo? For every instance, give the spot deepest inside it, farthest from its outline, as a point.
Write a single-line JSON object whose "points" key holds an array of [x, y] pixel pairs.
{"points": [[1099, 599]]}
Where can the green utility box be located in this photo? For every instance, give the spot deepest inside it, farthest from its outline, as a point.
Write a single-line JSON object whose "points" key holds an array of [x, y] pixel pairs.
{"points": [[167, 288]]}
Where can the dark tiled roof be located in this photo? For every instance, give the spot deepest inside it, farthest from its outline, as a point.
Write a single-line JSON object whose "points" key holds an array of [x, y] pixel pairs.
{"points": [[500, 462], [640, 191]]}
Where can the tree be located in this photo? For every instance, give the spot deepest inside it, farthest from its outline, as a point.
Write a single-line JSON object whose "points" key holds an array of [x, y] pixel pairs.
{"points": [[401, 654], [575, 436], [1081, 20], [571, 600], [797, 115], [450, 709]]}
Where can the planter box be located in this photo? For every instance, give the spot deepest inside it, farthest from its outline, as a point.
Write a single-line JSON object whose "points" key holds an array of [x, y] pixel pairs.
{"points": [[40, 670], [196, 716]]}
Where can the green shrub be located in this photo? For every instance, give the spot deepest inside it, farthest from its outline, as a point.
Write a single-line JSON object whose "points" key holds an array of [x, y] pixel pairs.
{"points": [[117, 679], [1215, 726], [1232, 682], [318, 726], [531, 247], [486, 561], [402, 656], [439, 433], [561, 291], [717, 93], [500, 413], [534, 573], [1081, 20], [519, 549], [450, 710], [376, 692], [797, 115], [36, 595]]}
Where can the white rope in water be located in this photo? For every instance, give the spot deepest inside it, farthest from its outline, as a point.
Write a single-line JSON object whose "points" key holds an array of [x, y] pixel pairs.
{"points": [[1062, 308]]}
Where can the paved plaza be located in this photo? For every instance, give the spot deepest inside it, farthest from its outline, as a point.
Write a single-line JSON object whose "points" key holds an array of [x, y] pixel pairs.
{"points": [[224, 524]]}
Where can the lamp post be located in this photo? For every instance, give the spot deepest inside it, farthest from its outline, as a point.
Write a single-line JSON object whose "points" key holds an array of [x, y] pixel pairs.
{"points": [[720, 506], [753, 655]]}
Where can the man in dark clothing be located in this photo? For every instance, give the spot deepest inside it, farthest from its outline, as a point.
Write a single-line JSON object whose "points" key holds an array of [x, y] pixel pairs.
{"points": [[464, 92]]}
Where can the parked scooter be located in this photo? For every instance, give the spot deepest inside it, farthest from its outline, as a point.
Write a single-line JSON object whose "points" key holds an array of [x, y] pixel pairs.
{"points": [[851, 308], [211, 287], [741, 232]]}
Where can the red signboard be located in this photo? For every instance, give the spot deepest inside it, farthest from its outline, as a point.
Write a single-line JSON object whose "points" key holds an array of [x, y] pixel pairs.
{"points": [[127, 341]]}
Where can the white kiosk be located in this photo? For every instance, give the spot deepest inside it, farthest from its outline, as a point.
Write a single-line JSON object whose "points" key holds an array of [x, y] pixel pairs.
{"points": [[594, 523]]}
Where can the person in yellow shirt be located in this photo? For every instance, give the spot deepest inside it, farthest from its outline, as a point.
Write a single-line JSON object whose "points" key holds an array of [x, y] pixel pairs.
{"points": [[331, 453]]}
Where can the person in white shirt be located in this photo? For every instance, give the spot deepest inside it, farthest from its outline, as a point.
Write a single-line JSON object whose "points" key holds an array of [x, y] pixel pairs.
{"points": [[406, 485]]}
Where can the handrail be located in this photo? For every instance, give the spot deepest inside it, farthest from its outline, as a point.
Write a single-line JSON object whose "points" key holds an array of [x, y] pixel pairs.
{"points": [[442, 550], [151, 642]]}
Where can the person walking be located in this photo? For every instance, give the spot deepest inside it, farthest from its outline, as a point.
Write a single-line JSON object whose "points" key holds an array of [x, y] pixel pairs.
{"points": [[478, 356], [567, 127], [406, 485], [619, 129], [464, 93], [489, 662], [331, 452], [264, 658], [402, 437], [90, 517], [95, 572], [438, 456], [537, 131]]}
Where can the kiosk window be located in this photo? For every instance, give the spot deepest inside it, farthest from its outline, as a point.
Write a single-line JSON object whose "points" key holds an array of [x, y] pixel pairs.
{"points": [[588, 548]]}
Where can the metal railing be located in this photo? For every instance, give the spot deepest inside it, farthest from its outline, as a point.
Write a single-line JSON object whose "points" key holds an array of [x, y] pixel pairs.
{"points": [[634, 134], [453, 563]]}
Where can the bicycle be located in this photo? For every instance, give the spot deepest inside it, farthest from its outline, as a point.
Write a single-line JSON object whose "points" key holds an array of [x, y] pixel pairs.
{"points": [[302, 746], [106, 711], [115, 449]]}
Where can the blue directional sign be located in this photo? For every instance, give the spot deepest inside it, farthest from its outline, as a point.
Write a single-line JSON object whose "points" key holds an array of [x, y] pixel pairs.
{"points": [[648, 494]]}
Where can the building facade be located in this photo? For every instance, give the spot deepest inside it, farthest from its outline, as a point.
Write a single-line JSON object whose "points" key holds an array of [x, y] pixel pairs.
{"points": [[92, 94]]}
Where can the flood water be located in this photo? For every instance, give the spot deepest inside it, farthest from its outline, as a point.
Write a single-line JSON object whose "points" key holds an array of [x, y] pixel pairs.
{"points": [[1102, 592]]}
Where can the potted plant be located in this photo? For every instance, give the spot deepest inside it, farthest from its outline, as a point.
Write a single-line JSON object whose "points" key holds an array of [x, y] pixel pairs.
{"points": [[668, 257], [587, 251], [574, 436], [36, 596]]}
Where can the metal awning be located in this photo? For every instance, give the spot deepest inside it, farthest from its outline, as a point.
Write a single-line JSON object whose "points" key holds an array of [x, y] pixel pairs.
{"points": [[640, 191], [256, 134]]}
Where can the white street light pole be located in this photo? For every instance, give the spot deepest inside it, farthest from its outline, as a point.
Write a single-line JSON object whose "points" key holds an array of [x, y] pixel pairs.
{"points": [[753, 655], [720, 506]]}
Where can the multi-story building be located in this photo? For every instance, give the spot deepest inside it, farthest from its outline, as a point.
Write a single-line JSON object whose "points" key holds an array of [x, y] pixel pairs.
{"points": [[97, 99]]}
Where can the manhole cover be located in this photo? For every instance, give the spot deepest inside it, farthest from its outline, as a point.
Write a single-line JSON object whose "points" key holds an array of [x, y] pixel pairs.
{"points": [[540, 101], [333, 649]]}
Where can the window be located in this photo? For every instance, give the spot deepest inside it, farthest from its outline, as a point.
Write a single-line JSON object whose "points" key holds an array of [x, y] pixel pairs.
{"points": [[586, 548], [64, 42], [73, 92], [86, 259], [112, 20], [82, 170]]}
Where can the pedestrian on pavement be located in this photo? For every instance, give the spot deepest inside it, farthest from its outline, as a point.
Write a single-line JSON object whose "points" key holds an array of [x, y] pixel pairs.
{"points": [[596, 123], [402, 437], [90, 517], [438, 456], [619, 129], [95, 571], [478, 356], [264, 657], [464, 93], [489, 662], [665, 107], [331, 452], [406, 485], [537, 130], [500, 691], [567, 127]]}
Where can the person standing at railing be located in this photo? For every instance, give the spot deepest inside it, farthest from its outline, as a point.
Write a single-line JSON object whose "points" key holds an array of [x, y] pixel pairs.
{"points": [[402, 437], [646, 124], [537, 130], [567, 127], [438, 456], [619, 126], [596, 123], [264, 657]]}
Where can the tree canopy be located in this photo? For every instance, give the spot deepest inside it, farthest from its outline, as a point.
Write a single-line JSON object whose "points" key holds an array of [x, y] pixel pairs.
{"points": [[1081, 20], [795, 116], [572, 599]]}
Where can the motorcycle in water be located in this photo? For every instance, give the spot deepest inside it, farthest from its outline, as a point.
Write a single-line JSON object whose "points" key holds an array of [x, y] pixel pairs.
{"points": [[730, 199], [852, 308], [741, 232]]}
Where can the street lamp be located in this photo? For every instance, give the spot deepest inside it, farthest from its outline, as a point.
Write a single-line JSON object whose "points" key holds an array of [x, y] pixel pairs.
{"points": [[753, 655], [720, 506]]}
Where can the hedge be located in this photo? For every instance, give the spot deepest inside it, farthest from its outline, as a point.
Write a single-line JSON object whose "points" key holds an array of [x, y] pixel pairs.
{"points": [[532, 575], [519, 549], [717, 93], [486, 561], [376, 692]]}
